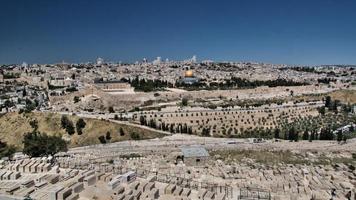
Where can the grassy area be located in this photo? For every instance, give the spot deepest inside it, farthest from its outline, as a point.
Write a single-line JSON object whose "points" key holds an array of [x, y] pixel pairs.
{"points": [[345, 96], [263, 157], [14, 125], [277, 157]]}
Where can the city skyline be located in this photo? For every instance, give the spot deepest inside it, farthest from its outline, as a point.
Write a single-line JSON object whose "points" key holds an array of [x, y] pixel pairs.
{"points": [[279, 32]]}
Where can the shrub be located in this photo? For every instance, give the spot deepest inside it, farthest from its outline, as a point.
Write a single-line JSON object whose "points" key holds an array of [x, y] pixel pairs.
{"points": [[34, 124], [71, 89], [135, 136], [102, 139]]}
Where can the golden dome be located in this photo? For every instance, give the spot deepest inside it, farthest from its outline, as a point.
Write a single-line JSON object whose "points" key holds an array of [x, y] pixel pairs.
{"points": [[188, 73]]}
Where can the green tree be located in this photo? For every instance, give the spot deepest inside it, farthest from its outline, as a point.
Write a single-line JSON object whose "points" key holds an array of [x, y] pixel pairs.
{"points": [[171, 128], [339, 136], [322, 110], [76, 99], [305, 135], [142, 120], [135, 136], [328, 101], [292, 134], [334, 106], [67, 125], [102, 139], [8, 104], [108, 135], [206, 132], [276, 133], [122, 132], [326, 134], [152, 123], [184, 101], [185, 128], [38, 144], [111, 109], [312, 136], [80, 125], [64, 121], [190, 130], [345, 137], [34, 124], [30, 106], [24, 93], [70, 128], [6, 150]]}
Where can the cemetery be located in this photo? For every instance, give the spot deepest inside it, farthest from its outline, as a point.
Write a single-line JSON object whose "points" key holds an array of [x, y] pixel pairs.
{"points": [[168, 168]]}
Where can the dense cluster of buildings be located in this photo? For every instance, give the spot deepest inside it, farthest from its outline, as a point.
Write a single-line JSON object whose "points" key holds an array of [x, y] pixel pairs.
{"points": [[63, 78]]}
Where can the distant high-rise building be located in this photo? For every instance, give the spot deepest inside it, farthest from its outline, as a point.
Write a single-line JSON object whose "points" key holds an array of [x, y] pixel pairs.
{"points": [[194, 59], [157, 61], [191, 60], [99, 61], [24, 65]]}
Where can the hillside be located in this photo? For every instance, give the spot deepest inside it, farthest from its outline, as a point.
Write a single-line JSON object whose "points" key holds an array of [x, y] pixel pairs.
{"points": [[14, 125], [345, 96]]}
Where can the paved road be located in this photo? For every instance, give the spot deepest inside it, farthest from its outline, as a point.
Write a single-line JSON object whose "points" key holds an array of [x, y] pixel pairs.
{"points": [[275, 107], [107, 117]]}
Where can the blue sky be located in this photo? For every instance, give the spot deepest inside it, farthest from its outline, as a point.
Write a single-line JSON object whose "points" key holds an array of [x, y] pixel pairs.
{"points": [[274, 31]]}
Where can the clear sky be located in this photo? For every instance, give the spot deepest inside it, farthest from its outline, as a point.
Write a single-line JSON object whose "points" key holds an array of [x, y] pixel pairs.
{"points": [[274, 31]]}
